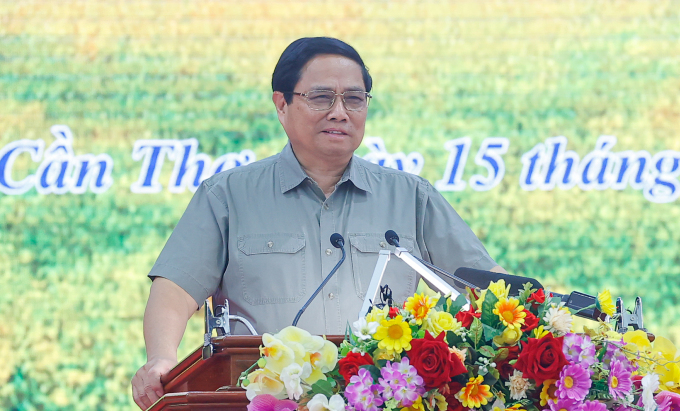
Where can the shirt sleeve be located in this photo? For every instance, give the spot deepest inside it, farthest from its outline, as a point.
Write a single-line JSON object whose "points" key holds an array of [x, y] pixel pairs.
{"points": [[196, 254], [448, 241]]}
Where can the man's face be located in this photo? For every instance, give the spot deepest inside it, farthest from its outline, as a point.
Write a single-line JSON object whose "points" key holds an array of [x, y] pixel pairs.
{"points": [[330, 134]]}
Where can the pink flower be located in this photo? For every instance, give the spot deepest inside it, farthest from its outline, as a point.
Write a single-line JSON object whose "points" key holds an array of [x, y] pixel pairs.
{"points": [[620, 381], [574, 382], [668, 401], [267, 402], [594, 406], [565, 404]]}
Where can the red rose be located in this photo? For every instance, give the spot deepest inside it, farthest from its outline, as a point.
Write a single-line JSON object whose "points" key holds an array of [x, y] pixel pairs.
{"points": [[349, 365], [466, 317], [452, 403], [530, 322], [503, 365], [434, 362], [542, 359], [538, 297], [394, 311]]}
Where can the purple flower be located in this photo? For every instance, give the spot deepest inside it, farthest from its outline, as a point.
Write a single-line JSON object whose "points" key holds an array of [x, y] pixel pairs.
{"points": [[361, 393], [594, 406], [392, 379], [574, 382], [401, 382], [566, 404], [267, 402], [579, 348], [620, 381]]}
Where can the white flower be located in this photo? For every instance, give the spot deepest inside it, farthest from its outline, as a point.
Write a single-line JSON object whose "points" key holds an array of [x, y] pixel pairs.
{"points": [[498, 405], [363, 330], [321, 403], [292, 377], [558, 320], [518, 385], [650, 383]]}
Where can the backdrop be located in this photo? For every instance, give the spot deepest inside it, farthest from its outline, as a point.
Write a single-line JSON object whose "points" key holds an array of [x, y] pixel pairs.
{"points": [[550, 126]]}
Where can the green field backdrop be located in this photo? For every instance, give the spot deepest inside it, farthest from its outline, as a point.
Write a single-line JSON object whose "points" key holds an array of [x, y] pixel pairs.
{"points": [[73, 267]]}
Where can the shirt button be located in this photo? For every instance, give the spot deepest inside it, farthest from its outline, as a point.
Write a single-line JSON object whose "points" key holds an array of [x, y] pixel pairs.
{"points": [[270, 244], [331, 296], [382, 244], [329, 251], [325, 206]]}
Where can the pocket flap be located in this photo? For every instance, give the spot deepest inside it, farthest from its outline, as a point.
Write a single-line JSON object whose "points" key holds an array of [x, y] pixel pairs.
{"points": [[371, 242], [271, 243]]}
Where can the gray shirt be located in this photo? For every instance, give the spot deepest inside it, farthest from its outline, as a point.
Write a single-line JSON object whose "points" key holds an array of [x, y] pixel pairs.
{"points": [[260, 236]]}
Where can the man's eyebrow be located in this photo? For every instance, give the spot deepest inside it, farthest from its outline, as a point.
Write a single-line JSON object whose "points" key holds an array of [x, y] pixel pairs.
{"points": [[316, 88]]}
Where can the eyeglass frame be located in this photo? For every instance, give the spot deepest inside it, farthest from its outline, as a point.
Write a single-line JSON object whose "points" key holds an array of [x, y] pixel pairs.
{"points": [[344, 104]]}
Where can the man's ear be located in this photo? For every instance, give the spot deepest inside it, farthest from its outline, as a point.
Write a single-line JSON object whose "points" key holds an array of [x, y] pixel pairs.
{"points": [[279, 102]]}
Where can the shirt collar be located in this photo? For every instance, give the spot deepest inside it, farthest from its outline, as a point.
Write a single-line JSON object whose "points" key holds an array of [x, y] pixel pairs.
{"points": [[292, 174]]}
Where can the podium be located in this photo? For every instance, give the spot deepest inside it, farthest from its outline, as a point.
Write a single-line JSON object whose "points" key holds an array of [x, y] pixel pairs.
{"points": [[211, 384]]}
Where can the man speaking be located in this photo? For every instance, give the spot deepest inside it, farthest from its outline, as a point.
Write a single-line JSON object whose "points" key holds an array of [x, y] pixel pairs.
{"points": [[260, 234]]}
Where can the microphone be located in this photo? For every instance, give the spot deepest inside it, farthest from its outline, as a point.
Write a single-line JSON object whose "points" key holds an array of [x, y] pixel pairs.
{"points": [[576, 300], [393, 239], [338, 242]]}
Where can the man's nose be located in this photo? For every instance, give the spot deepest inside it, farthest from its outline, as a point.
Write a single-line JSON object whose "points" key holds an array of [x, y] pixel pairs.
{"points": [[338, 112]]}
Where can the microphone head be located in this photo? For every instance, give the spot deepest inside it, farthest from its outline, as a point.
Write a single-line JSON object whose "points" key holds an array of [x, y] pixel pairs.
{"points": [[337, 240], [392, 238]]}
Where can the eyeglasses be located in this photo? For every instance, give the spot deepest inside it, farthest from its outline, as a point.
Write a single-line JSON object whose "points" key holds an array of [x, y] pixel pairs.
{"points": [[321, 100]]}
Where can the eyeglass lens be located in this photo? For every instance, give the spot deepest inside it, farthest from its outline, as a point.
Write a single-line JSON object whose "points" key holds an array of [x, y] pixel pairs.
{"points": [[323, 100]]}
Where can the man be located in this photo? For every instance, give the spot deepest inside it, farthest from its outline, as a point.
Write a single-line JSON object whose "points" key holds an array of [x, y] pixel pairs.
{"points": [[261, 233]]}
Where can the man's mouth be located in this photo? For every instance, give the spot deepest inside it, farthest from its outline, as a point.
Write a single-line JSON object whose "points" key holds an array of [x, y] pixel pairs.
{"points": [[335, 132]]}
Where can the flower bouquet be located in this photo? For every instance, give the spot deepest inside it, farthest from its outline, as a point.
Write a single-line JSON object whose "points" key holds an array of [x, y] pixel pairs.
{"points": [[496, 352]]}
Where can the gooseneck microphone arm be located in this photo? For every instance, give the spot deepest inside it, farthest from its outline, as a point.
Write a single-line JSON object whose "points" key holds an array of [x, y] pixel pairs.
{"points": [[338, 242], [393, 239]]}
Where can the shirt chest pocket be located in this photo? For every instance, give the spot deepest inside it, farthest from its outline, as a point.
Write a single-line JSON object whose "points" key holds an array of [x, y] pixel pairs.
{"points": [[272, 268], [398, 275]]}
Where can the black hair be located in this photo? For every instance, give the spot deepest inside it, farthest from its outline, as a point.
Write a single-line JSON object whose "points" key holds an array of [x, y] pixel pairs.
{"points": [[289, 67]]}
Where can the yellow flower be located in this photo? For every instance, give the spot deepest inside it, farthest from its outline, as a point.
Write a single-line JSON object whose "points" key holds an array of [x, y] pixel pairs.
{"points": [[440, 402], [322, 361], [440, 321], [539, 332], [419, 305], [548, 392], [382, 354], [499, 289], [668, 367], [510, 337], [263, 381], [416, 406], [394, 335], [605, 303], [278, 354], [510, 312], [475, 394], [377, 314]]}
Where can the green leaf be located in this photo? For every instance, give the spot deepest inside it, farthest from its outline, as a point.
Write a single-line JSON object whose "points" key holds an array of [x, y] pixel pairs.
{"points": [[490, 332], [488, 317], [453, 339], [457, 304], [322, 387], [476, 331], [525, 293], [487, 351]]}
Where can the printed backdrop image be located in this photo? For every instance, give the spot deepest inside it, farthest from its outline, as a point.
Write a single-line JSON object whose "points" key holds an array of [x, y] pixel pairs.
{"points": [[550, 126]]}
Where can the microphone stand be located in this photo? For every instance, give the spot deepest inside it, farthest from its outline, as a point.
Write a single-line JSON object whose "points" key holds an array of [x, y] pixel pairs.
{"points": [[338, 243]]}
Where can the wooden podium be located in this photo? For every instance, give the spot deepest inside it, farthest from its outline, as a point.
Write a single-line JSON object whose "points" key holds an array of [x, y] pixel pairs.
{"points": [[197, 384]]}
